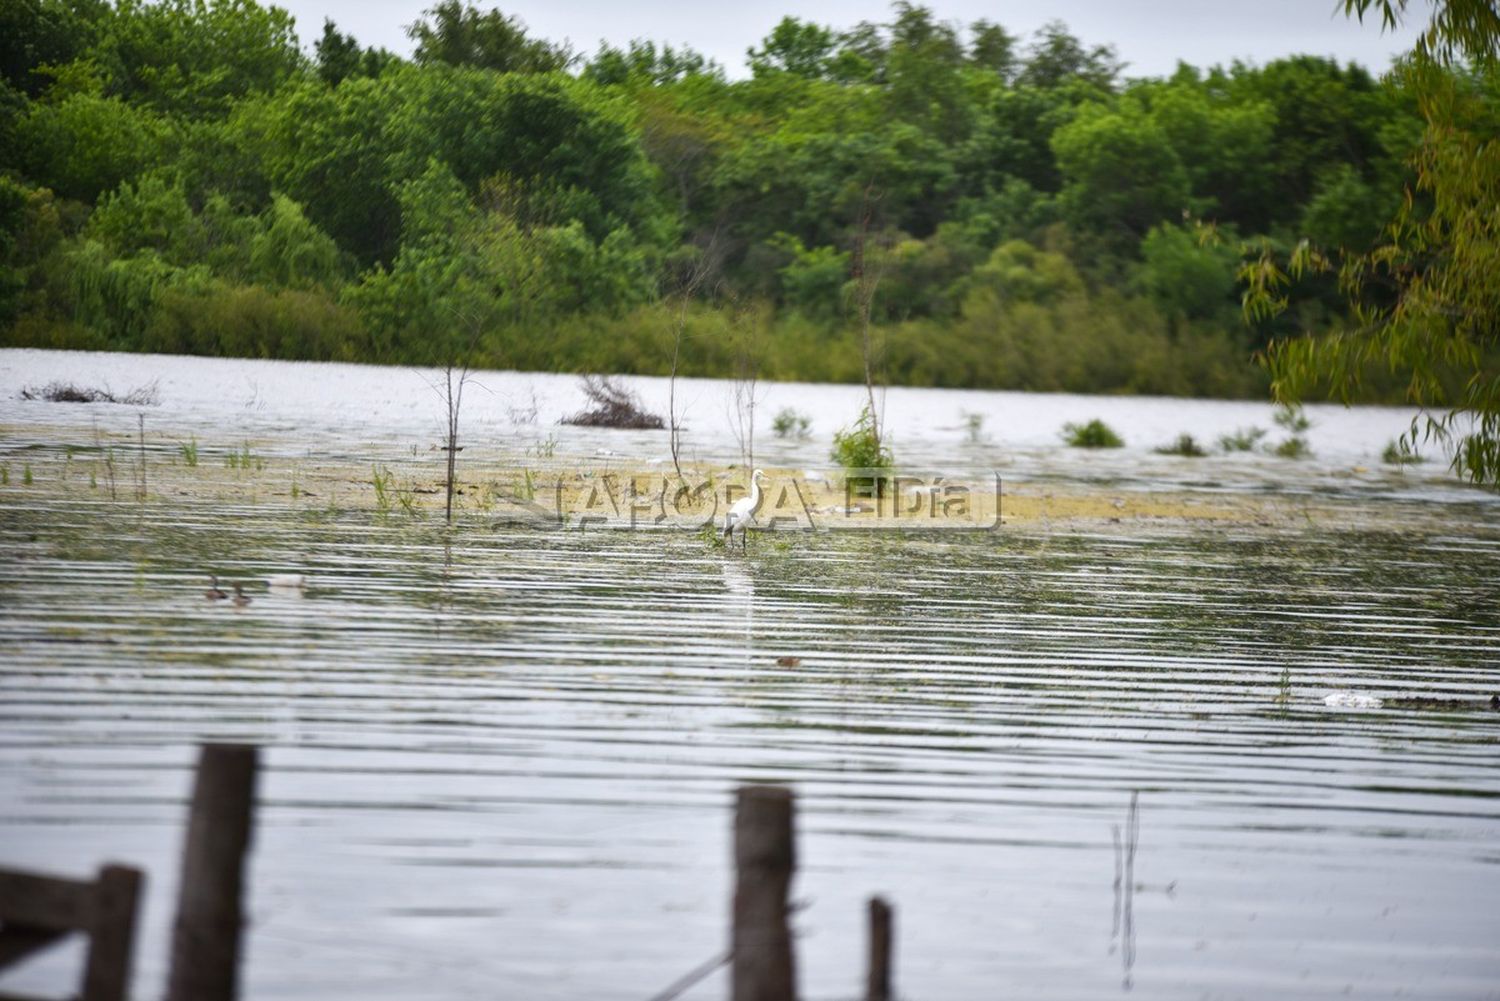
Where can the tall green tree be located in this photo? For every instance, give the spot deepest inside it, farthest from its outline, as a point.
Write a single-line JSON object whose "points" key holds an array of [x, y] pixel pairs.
{"points": [[1121, 176], [195, 57], [1057, 56], [340, 56], [459, 34], [795, 46], [1427, 302]]}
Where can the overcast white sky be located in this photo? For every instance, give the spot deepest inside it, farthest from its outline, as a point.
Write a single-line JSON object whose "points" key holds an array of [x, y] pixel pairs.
{"points": [[1151, 35]]}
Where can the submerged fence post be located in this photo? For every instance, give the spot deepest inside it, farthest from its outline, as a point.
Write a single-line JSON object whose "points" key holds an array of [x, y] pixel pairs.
{"points": [[878, 983], [106, 975], [36, 911], [764, 858], [206, 935]]}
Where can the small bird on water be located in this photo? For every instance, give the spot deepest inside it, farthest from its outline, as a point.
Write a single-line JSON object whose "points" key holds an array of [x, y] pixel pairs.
{"points": [[241, 599], [214, 592]]}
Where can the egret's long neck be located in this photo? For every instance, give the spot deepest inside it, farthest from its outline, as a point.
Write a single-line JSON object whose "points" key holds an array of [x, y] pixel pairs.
{"points": [[754, 493]]}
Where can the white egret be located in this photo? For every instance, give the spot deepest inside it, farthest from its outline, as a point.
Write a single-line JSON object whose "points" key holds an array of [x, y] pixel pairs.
{"points": [[742, 514]]}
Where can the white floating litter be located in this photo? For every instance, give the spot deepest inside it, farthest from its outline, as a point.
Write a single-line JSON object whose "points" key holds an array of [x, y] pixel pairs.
{"points": [[1351, 700]]}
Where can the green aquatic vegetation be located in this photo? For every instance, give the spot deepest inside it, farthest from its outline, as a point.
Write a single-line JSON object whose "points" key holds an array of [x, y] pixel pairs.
{"points": [[526, 489], [860, 451], [973, 426], [712, 536], [189, 451], [1292, 448], [1399, 453], [859, 446], [1284, 688], [4, 476], [791, 423], [383, 481], [26, 474], [1241, 439], [1291, 419], [389, 494], [1094, 434], [543, 448], [243, 459], [1185, 445]]}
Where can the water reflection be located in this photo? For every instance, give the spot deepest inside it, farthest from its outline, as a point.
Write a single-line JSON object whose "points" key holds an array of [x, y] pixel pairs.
{"points": [[1122, 935], [500, 755], [568, 712], [739, 601]]}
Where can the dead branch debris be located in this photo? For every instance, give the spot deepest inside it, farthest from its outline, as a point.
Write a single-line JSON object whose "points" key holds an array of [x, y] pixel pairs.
{"points": [[614, 406], [67, 392]]}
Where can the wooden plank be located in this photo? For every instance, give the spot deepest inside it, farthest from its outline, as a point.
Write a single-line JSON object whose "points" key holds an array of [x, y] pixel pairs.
{"points": [[43, 901], [111, 934], [206, 935], [878, 981], [19, 941], [764, 859]]}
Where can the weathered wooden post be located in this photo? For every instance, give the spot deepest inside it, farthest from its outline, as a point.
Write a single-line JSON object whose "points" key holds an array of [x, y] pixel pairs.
{"points": [[764, 858], [878, 983], [36, 911], [111, 933], [206, 935]]}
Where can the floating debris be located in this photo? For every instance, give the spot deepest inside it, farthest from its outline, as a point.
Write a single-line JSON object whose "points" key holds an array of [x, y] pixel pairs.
{"points": [[67, 392], [1433, 703], [1351, 700], [614, 406]]}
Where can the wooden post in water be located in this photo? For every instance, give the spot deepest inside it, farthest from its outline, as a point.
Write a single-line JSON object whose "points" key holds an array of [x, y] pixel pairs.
{"points": [[36, 911], [762, 967], [206, 935], [106, 973], [878, 983]]}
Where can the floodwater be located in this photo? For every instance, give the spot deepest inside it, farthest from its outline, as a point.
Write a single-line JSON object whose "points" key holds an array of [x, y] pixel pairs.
{"points": [[500, 759]]}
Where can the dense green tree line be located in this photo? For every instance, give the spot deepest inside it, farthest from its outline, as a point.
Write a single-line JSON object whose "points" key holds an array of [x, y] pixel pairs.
{"points": [[1426, 300], [182, 176]]}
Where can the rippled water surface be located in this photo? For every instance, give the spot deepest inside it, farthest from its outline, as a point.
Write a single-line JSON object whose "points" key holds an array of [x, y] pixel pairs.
{"points": [[500, 759]]}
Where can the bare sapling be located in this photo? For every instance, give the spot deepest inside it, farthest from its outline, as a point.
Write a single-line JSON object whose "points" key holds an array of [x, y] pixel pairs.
{"points": [[457, 373], [140, 490], [744, 387], [689, 284], [108, 455], [866, 274]]}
